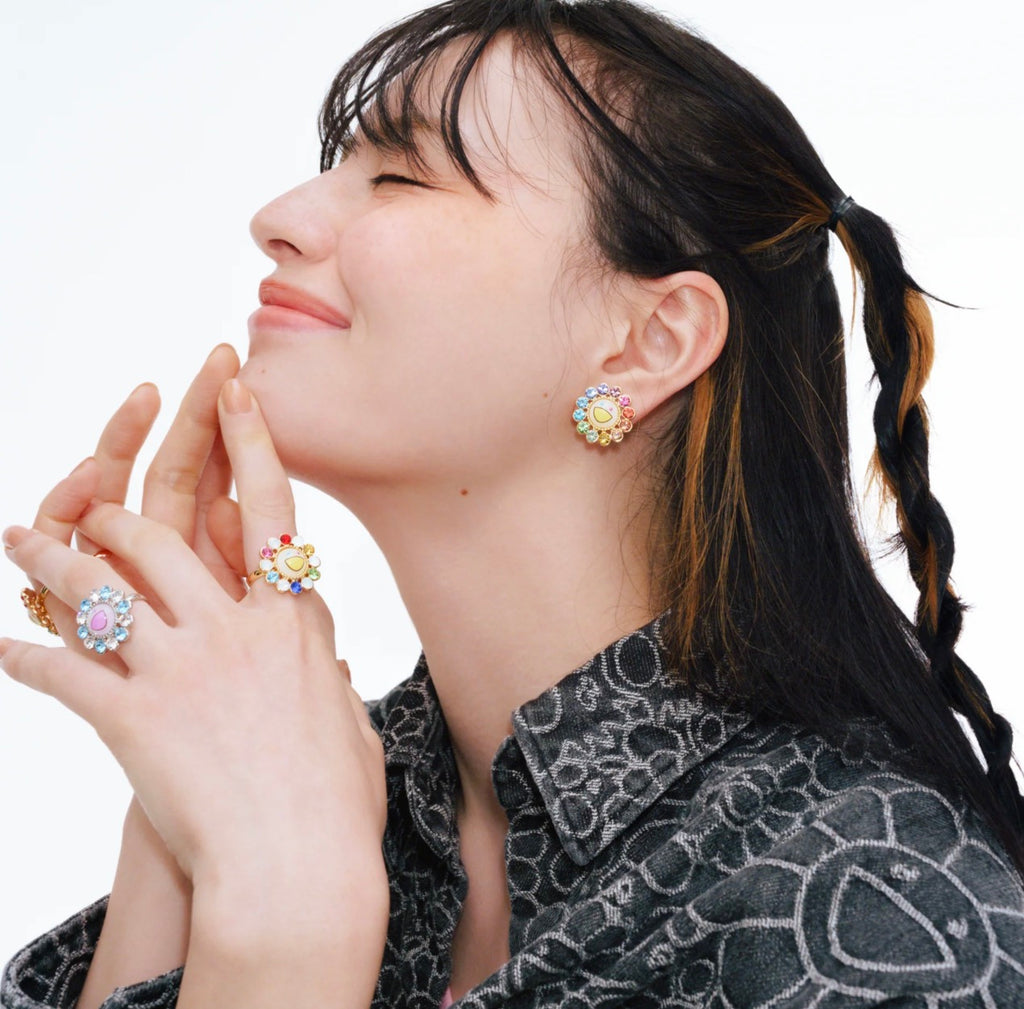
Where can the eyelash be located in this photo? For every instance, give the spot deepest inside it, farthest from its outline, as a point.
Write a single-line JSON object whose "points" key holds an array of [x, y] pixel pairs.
{"points": [[401, 179]]}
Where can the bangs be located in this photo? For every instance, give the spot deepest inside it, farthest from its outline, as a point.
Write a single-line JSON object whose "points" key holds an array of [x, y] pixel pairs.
{"points": [[393, 93]]}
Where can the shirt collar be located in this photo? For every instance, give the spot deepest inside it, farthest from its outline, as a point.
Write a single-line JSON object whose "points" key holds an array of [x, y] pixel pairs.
{"points": [[602, 744]]}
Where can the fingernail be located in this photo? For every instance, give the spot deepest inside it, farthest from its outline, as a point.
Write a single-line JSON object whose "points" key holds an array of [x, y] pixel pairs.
{"points": [[81, 465], [13, 535], [215, 349], [237, 398]]}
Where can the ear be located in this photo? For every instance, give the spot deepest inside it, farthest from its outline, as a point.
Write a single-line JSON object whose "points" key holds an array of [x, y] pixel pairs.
{"points": [[673, 331]]}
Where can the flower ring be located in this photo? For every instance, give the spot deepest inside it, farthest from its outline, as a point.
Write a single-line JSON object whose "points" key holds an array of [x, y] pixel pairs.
{"points": [[104, 618], [288, 563]]}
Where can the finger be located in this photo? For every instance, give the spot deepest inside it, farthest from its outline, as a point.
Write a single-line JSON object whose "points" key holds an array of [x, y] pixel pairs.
{"points": [[264, 493], [218, 525], [119, 444], [224, 527], [59, 510], [84, 687], [158, 553], [173, 478], [72, 575]]}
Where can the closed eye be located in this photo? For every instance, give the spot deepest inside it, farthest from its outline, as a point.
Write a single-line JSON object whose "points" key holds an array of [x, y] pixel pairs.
{"points": [[378, 180]]}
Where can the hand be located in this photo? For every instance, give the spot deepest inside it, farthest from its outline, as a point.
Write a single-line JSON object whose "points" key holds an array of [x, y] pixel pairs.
{"points": [[238, 735], [185, 487]]}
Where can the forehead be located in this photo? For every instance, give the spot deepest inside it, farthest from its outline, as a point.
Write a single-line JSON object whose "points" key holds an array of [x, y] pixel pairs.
{"points": [[512, 127]]}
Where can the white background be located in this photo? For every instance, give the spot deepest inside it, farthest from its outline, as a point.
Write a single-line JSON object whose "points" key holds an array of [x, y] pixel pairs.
{"points": [[139, 138]]}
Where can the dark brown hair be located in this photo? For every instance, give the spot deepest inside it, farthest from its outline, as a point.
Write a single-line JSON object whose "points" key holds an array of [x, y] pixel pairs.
{"points": [[692, 163]]}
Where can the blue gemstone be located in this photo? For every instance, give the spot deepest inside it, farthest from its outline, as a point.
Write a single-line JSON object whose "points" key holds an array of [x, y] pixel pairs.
{"points": [[603, 389], [105, 592], [296, 587], [120, 633], [86, 605], [579, 414], [582, 401], [83, 631], [591, 392], [272, 576], [123, 606], [100, 647]]}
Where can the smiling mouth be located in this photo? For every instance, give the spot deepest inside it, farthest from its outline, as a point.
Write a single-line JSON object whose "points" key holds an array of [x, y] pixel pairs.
{"points": [[282, 303]]}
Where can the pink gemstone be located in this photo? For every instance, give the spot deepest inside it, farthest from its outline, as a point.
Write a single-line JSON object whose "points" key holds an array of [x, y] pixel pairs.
{"points": [[266, 552], [99, 621], [624, 401]]}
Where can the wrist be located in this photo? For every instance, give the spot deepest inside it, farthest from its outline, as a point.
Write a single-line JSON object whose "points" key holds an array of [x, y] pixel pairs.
{"points": [[295, 901]]}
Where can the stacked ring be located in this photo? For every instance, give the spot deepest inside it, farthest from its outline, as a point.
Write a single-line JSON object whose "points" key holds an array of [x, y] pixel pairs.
{"points": [[104, 618], [288, 563], [35, 603]]}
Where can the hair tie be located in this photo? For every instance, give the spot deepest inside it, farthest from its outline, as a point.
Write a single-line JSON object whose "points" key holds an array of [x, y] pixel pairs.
{"points": [[838, 210]]}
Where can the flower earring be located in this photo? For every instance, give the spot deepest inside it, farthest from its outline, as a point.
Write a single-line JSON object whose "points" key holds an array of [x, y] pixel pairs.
{"points": [[603, 414]]}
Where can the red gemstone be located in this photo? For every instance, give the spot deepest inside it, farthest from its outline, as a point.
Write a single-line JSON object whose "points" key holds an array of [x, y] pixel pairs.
{"points": [[629, 413], [285, 538]]}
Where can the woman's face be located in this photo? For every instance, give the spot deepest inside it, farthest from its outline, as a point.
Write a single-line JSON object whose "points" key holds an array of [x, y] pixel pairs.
{"points": [[447, 358]]}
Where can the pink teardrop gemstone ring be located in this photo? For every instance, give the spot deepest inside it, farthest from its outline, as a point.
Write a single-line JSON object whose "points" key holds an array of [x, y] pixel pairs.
{"points": [[101, 619]]}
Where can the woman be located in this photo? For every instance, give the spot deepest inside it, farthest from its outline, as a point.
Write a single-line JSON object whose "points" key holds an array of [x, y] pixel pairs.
{"points": [[750, 787]]}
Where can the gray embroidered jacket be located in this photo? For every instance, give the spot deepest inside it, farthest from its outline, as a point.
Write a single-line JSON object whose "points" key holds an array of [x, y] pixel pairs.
{"points": [[661, 852]]}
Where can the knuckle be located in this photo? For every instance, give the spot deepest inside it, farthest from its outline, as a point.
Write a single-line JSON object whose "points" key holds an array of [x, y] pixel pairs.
{"points": [[278, 507], [177, 479]]}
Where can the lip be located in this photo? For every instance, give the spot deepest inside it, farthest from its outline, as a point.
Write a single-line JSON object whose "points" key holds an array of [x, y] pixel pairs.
{"points": [[275, 295]]}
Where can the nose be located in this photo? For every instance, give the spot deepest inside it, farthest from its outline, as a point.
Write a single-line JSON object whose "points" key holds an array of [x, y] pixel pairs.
{"points": [[296, 224]]}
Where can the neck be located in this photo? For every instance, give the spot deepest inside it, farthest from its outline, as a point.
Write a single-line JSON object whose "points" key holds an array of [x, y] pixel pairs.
{"points": [[510, 588]]}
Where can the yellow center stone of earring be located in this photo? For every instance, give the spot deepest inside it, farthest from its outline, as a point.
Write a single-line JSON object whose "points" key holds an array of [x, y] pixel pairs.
{"points": [[603, 414]]}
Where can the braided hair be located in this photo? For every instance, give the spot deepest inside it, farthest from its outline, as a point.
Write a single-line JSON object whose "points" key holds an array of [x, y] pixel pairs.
{"points": [[898, 326]]}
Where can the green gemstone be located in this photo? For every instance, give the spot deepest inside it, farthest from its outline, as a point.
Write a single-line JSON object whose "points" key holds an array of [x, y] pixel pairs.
{"points": [[314, 573], [583, 427]]}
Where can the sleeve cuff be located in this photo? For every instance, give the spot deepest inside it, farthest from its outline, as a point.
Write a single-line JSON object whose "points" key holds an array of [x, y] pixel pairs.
{"points": [[50, 971]]}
